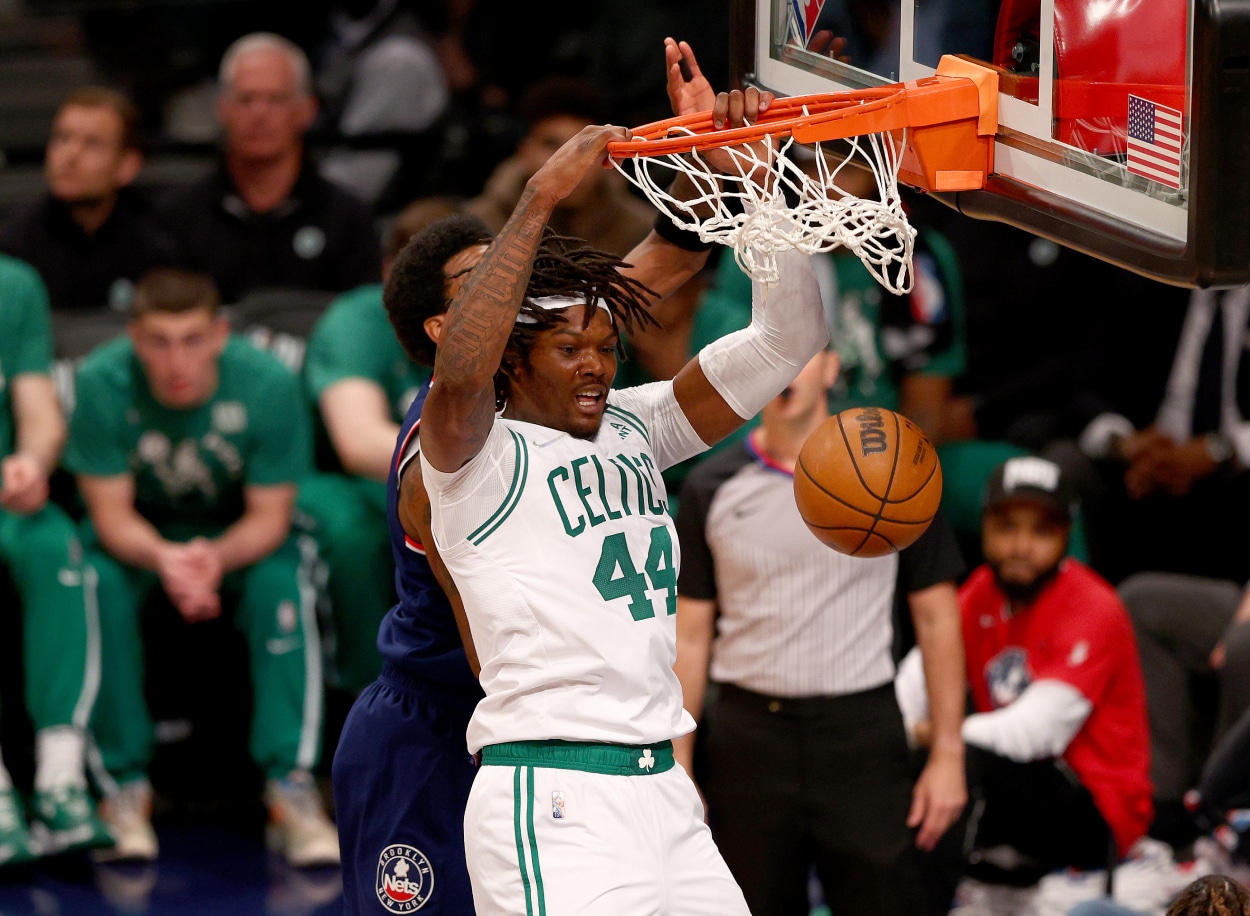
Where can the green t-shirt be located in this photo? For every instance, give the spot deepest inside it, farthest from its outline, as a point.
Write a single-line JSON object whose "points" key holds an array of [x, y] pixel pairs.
{"points": [[190, 466], [880, 337], [25, 335], [354, 339]]}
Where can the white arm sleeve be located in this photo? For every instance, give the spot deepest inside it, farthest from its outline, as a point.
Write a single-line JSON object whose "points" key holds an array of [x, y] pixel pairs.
{"points": [[909, 688], [749, 368], [1041, 723]]}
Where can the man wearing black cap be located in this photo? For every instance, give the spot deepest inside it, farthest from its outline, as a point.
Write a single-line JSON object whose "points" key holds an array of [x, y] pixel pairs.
{"points": [[1057, 745]]}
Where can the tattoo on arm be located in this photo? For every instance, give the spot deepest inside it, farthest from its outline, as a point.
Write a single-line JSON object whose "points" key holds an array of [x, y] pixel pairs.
{"points": [[481, 318]]}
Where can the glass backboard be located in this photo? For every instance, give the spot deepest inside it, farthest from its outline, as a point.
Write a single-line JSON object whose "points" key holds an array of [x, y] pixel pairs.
{"points": [[1124, 125]]}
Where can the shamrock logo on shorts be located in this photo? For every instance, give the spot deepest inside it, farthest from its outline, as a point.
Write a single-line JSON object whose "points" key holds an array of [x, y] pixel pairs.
{"points": [[646, 761]]}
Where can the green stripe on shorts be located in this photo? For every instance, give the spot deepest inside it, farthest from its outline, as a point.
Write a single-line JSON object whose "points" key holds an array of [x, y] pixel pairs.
{"points": [[520, 842], [527, 810], [538, 872]]}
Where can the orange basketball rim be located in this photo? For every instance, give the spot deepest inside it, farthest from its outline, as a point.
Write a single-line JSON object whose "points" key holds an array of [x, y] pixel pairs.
{"points": [[946, 123]]}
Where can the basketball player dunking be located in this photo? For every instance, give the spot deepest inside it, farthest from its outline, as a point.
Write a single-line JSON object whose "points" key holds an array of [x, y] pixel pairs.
{"points": [[554, 526]]}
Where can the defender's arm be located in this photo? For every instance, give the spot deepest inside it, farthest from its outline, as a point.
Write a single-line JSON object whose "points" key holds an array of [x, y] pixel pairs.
{"points": [[414, 516]]}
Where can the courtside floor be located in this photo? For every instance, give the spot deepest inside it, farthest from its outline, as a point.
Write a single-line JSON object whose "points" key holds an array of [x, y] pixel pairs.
{"points": [[202, 871]]}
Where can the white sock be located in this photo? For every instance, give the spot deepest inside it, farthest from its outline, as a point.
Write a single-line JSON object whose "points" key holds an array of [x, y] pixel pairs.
{"points": [[6, 782], [59, 752]]}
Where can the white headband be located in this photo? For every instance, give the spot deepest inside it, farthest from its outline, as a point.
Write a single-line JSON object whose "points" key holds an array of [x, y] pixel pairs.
{"points": [[554, 303]]}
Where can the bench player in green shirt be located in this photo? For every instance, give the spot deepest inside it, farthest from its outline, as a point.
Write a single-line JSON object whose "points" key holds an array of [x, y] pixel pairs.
{"points": [[41, 555], [188, 444]]}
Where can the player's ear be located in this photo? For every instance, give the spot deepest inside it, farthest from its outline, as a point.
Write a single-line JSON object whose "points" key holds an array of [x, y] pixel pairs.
{"points": [[220, 332], [832, 365], [434, 327], [307, 112], [128, 168]]}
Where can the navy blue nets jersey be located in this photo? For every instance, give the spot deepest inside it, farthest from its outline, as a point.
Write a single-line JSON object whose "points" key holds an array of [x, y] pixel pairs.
{"points": [[418, 635]]}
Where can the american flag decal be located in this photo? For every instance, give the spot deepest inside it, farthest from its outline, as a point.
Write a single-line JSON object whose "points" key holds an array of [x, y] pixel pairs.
{"points": [[1155, 138]]}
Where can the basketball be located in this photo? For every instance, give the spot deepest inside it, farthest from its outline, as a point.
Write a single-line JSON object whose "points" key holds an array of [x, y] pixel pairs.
{"points": [[867, 482]]}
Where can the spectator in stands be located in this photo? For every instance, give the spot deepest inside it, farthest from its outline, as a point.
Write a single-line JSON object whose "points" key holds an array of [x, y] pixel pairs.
{"points": [[383, 95], [91, 236], [41, 555], [1032, 385], [1057, 748], [362, 382], [1170, 437], [265, 217], [805, 758], [187, 445], [1193, 635], [601, 211]]}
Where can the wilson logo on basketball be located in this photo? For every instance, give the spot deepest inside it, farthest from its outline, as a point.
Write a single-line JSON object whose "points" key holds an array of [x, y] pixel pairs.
{"points": [[872, 440], [867, 482]]}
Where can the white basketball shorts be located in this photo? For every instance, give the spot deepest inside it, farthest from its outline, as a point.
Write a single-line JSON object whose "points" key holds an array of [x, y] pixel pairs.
{"points": [[559, 841]]}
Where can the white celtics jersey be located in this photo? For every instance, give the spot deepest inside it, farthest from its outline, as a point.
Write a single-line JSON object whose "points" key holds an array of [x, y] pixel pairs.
{"points": [[566, 557]]}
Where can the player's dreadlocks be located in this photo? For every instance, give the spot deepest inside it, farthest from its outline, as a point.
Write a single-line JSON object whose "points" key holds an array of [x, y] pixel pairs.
{"points": [[569, 267]]}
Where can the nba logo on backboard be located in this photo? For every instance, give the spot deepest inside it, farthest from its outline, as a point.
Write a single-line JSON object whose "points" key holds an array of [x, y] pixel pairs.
{"points": [[803, 16], [405, 879]]}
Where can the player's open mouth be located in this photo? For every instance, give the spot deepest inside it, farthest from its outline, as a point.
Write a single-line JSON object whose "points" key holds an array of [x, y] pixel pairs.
{"points": [[591, 400]]}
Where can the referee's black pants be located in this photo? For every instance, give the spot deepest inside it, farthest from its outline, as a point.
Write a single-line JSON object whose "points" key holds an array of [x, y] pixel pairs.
{"points": [[824, 782]]}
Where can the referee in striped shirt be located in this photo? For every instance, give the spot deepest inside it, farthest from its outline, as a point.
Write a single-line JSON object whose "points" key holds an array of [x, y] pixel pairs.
{"points": [[804, 761]]}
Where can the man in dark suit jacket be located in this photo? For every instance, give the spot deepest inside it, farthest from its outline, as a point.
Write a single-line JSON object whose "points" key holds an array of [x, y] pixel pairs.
{"points": [[1168, 431]]}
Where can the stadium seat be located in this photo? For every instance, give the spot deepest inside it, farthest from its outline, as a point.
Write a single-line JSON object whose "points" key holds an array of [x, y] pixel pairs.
{"points": [[279, 320]]}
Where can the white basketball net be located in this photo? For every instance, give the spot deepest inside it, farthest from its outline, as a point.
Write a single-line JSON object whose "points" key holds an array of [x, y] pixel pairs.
{"points": [[747, 209]]}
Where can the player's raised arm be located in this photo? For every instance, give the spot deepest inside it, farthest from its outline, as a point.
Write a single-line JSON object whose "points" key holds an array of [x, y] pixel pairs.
{"points": [[668, 257], [732, 378], [461, 405]]}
